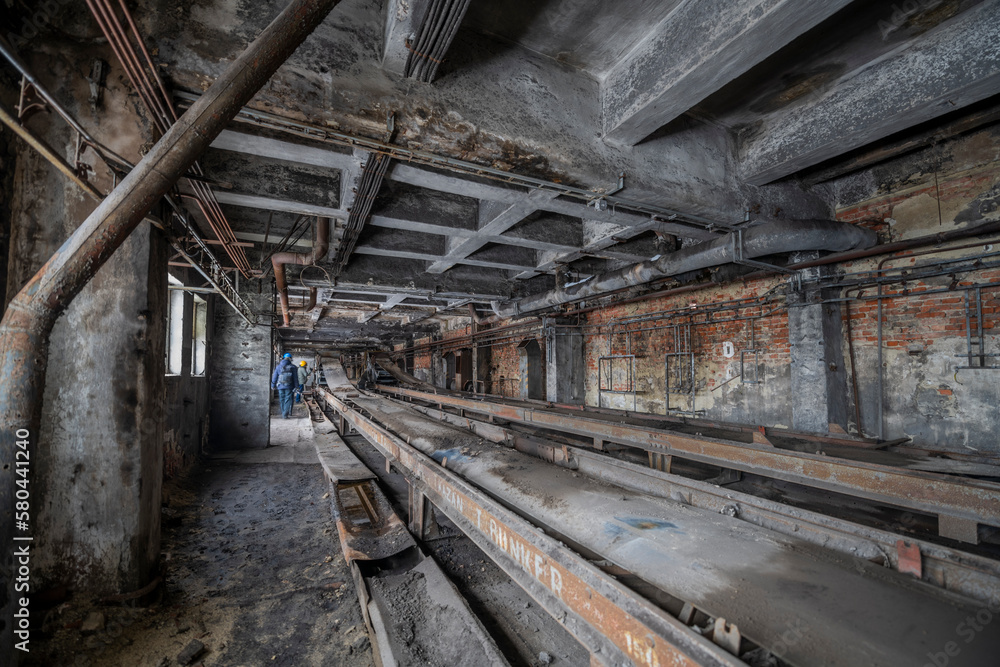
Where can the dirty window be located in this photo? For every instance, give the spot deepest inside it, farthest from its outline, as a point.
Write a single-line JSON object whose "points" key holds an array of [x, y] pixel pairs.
{"points": [[175, 332], [199, 329]]}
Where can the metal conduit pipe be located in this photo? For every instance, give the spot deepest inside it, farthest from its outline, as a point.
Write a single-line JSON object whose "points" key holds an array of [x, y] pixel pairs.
{"points": [[28, 321], [774, 237], [321, 244]]}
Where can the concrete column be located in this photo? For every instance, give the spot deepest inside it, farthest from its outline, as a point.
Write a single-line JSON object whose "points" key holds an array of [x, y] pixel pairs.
{"points": [[98, 465], [818, 377], [565, 366], [241, 379]]}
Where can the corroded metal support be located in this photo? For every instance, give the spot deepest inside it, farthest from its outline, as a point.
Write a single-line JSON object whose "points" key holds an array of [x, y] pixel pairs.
{"points": [[25, 328], [613, 622], [417, 512], [935, 494], [321, 244]]}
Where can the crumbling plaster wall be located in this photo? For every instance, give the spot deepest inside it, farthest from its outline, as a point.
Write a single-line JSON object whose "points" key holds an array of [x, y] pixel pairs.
{"points": [[954, 185]]}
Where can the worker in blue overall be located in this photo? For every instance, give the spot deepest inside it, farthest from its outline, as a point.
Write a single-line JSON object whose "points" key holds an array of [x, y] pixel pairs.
{"points": [[285, 379], [303, 377]]}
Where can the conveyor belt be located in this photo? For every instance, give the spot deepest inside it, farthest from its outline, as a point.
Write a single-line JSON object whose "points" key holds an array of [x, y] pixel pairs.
{"points": [[842, 611], [960, 503]]}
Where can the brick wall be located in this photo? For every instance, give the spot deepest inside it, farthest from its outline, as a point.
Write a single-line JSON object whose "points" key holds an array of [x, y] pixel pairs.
{"points": [[422, 360], [926, 396], [503, 374], [609, 332]]}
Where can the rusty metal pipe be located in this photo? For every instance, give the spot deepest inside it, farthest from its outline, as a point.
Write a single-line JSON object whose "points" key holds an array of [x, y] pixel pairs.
{"points": [[28, 321], [46, 151], [321, 244], [777, 236]]}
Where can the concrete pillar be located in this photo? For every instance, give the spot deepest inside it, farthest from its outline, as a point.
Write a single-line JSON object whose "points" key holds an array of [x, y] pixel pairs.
{"points": [[818, 378], [565, 365], [98, 466]]}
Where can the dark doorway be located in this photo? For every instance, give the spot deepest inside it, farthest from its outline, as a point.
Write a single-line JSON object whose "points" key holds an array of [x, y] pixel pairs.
{"points": [[531, 368]]}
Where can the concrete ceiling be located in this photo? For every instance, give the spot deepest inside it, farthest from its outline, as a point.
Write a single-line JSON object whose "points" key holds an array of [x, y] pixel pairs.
{"points": [[710, 108], [592, 36]]}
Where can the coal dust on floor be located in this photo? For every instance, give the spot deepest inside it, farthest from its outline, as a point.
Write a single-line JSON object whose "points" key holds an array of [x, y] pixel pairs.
{"points": [[253, 572]]}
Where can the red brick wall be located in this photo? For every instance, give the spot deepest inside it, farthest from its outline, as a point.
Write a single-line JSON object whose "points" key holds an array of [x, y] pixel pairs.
{"points": [[422, 359], [926, 397], [652, 339], [504, 373]]}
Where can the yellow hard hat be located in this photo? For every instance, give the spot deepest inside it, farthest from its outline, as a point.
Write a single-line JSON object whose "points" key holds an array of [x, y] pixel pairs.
{"points": [[302, 363]]}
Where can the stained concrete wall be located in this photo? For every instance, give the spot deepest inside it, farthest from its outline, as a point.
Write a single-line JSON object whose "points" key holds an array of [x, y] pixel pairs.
{"points": [[98, 464], [241, 379]]}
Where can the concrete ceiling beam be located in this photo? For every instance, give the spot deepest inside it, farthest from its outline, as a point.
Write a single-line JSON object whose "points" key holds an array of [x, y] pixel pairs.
{"points": [[402, 22], [598, 235], [696, 50], [954, 65], [348, 287], [427, 257], [418, 34], [441, 230], [283, 205], [432, 180], [493, 225], [389, 304], [277, 149], [272, 239]]}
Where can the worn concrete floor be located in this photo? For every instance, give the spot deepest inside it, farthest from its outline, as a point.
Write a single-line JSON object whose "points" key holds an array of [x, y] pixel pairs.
{"points": [[252, 569]]}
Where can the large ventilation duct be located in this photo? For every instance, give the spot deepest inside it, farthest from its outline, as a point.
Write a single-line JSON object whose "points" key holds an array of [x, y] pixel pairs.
{"points": [[771, 238], [321, 244]]}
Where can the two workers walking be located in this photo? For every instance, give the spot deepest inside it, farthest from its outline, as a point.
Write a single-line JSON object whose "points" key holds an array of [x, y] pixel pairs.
{"points": [[288, 379]]}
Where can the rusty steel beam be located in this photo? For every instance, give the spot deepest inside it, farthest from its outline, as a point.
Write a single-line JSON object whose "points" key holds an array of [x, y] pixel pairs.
{"points": [[936, 494], [31, 315], [614, 623]]}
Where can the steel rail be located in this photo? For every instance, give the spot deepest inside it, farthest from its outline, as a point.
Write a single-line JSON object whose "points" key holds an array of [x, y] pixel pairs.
{"points": [[954, 498], [615, 624], [959, 572]]}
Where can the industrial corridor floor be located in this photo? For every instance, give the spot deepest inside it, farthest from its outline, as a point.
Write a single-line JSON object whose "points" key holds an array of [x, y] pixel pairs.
{"points": [[252, 569]]}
